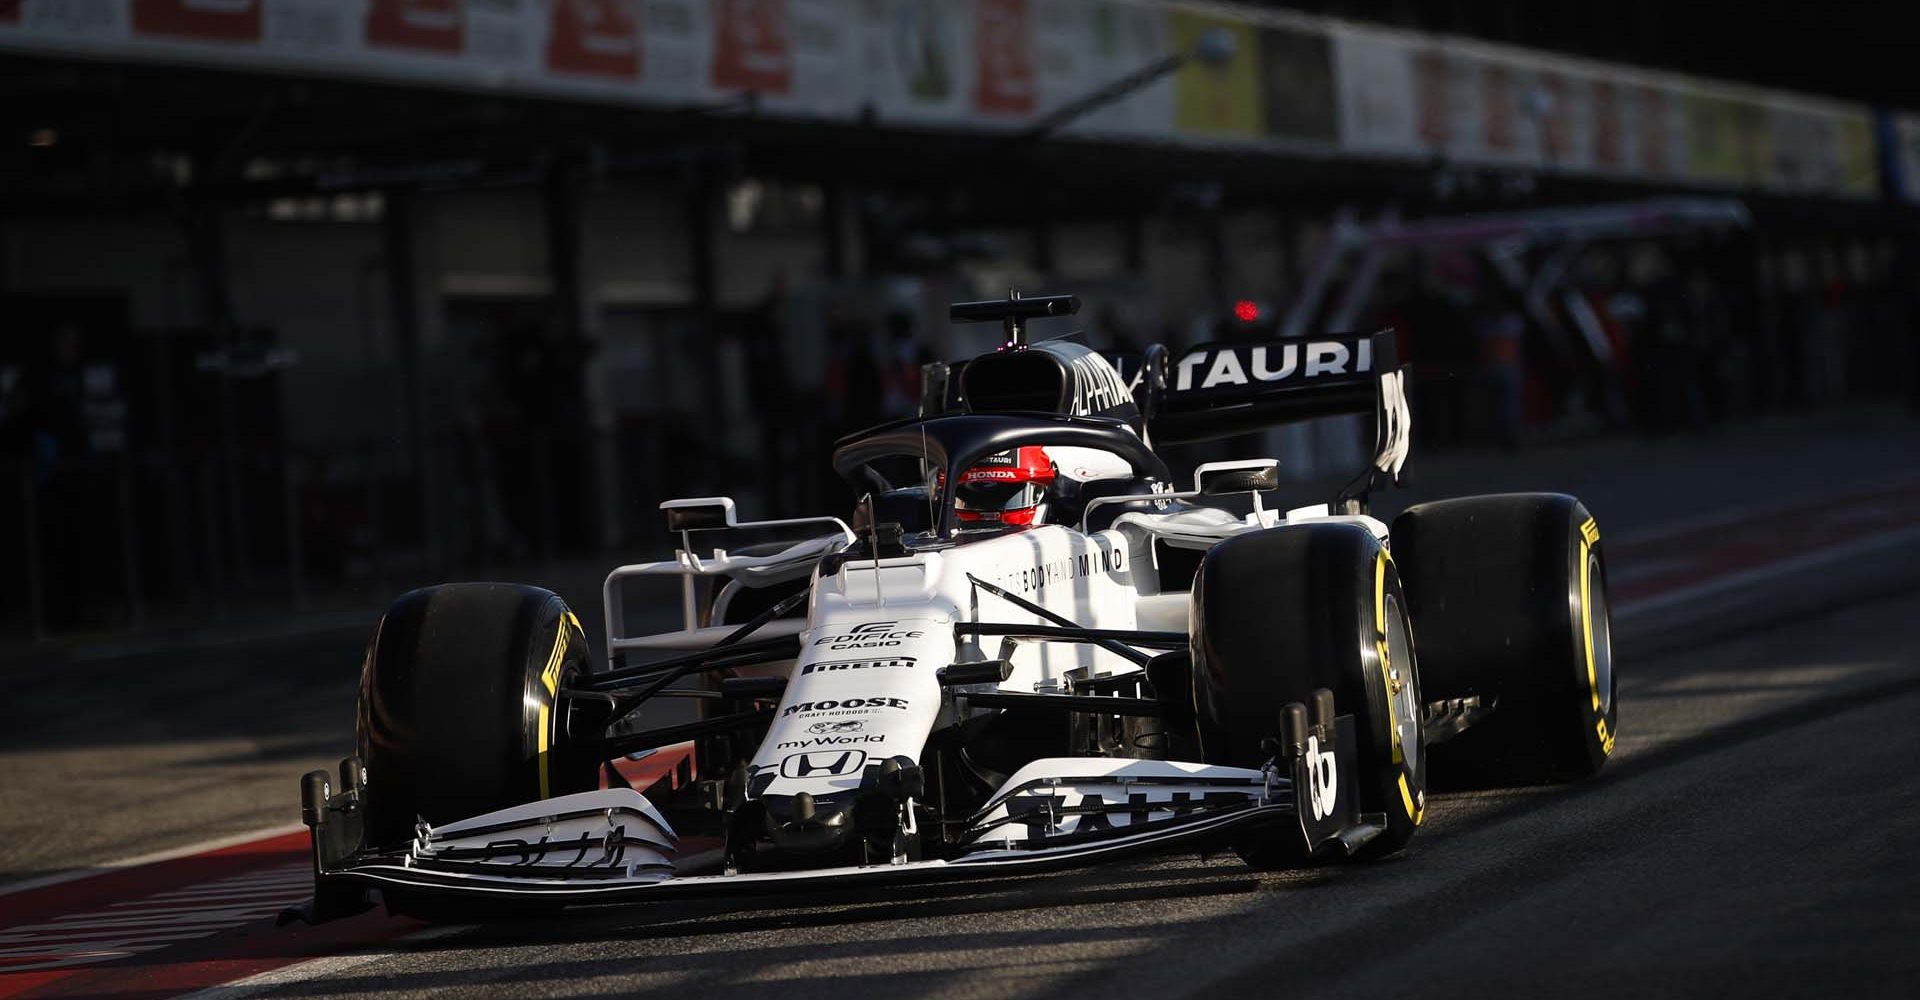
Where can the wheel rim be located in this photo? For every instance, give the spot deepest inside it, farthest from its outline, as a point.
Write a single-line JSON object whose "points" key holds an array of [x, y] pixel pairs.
{"points": [[1403, 688], [1602, 630]]}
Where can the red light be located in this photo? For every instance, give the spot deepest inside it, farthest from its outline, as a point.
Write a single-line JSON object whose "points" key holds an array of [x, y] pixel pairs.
{"points": [[1246, 310]]}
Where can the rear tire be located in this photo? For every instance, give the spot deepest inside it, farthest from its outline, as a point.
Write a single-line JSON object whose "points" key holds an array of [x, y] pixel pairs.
{"points": [[1510, 596], [1281, 612], [457, 713]]}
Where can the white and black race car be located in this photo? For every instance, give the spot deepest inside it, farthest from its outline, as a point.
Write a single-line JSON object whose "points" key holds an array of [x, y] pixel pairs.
{"points": [[1027, 648]]}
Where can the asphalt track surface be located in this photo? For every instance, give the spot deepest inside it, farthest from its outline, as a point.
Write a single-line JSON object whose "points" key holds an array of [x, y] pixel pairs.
{"points": [[113, 756], [1749, 837]]}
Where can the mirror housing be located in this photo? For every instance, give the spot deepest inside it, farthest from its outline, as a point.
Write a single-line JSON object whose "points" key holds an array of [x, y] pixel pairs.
{"points": [[1252, 475], [700, 514]]}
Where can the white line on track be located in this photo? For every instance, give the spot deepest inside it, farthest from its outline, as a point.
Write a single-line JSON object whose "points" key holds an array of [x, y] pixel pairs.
{"points": [[80, 923], [318, 968], [1734, 517], [1764, 572], [204, 847]]}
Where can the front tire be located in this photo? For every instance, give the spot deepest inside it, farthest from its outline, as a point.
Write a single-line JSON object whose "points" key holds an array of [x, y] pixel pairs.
{"points": [[458, 713], [1278, 613]]}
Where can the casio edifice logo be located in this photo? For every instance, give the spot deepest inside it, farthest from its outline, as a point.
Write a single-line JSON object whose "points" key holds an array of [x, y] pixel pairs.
{"points": [[870, 635]]}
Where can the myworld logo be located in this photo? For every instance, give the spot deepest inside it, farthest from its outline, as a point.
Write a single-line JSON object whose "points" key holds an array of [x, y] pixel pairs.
{"points": [[828, 741]]}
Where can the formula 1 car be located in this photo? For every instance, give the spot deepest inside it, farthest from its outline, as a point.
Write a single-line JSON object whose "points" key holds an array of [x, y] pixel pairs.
{"points": [[1027, 648]]}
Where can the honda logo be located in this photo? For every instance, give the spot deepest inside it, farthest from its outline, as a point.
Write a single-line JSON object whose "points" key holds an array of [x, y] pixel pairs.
{"points": [[823, 764]]}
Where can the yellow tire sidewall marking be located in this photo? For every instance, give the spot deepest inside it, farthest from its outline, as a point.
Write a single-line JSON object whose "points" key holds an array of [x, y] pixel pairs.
{"points": [[1586, 621], [1589, 537], [550, 680], [1386, 678]]}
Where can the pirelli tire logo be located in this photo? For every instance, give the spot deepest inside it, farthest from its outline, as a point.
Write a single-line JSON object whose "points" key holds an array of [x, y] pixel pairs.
{"points": [[828, 666]]}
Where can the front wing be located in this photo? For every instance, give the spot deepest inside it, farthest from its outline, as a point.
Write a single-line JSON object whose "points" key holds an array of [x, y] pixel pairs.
{"points": [[613, 846]]}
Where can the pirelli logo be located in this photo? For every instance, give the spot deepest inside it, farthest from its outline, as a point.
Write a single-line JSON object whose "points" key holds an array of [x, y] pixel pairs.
{"points": [[823, 667]]}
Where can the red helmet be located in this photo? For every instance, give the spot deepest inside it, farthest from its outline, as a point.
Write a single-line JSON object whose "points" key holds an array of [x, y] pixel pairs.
{"points": [[1005, 488]]}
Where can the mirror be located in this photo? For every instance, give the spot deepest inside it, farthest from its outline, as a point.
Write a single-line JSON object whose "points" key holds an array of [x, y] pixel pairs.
{"points": [[1250, 476], [699, 513]]}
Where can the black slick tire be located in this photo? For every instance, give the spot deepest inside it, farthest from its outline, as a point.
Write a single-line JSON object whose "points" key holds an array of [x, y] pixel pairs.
{"points": [[457, 713], [1509, 594], [1278, 613]]}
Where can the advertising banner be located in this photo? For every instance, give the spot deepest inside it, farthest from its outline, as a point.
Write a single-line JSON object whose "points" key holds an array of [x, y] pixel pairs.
{"points": [[1860, 171], [1297, 73], [824, 39], [914, 56], [1655, 132], [1003, 58], [58, 24], [751, 48], [1292, 83], [1609, 128], [1728, 140], [204, 20], [506, 37], [425, 25], [1376, 89], [1112, 41], [1904, 155], [1217, 100], [594, 38], [1562, 122], [1433, 99], [1806, 151], [1500, 114]]}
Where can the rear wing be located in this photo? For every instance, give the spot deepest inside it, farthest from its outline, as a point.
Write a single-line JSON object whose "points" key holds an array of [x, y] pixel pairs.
{"points": [[1219, 390]]}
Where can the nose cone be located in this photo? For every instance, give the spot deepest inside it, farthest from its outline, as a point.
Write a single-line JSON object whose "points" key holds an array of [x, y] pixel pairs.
{"points": [[803, 824]]}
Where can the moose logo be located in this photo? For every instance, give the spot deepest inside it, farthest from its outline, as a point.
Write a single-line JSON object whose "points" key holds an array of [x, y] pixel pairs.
{"points": [[848, 726]]}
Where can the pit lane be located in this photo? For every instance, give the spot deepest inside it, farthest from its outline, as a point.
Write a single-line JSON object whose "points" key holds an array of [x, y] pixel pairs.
{"points": [[1746, 839]]}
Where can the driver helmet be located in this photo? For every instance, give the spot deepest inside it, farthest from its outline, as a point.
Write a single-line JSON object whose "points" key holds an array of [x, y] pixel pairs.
{"points": [[1005, 488]]}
